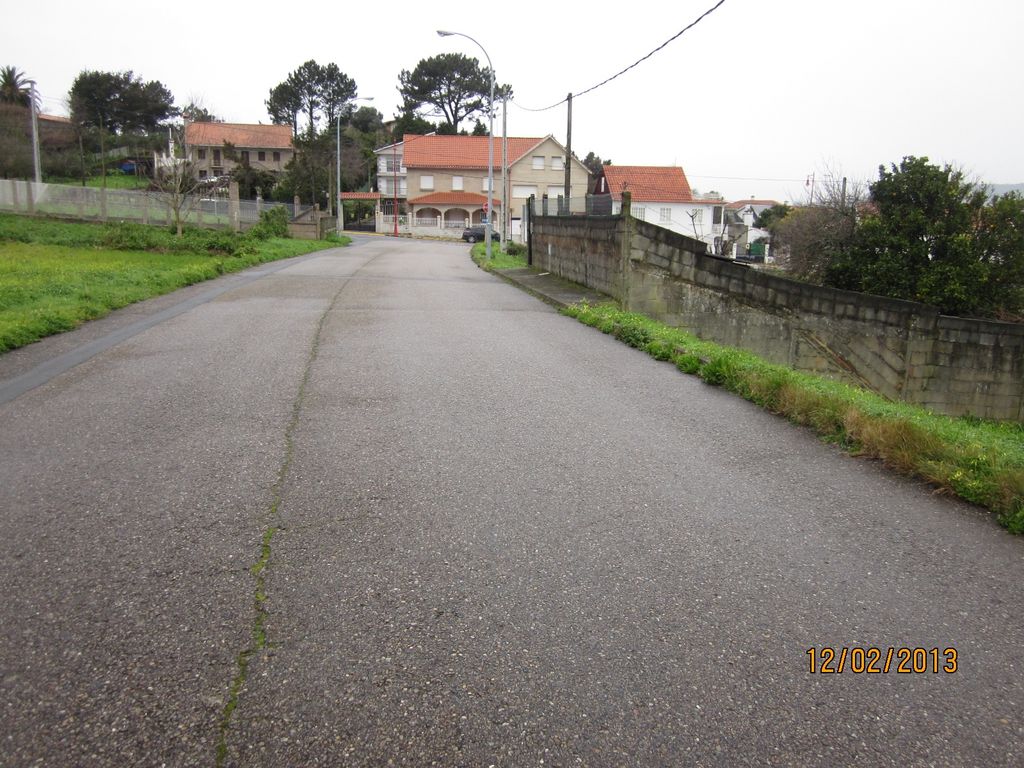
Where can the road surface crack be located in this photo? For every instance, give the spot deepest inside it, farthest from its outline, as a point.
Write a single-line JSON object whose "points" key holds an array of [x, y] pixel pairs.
{"points": [[258, 635]]}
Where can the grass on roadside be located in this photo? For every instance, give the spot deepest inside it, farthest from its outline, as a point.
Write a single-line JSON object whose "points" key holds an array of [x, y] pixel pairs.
{"points": [[979, 461], [515, 258], [55, 275]]}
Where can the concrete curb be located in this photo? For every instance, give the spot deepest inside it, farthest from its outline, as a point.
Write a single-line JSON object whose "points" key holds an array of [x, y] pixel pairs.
{"points": [[551, 289]]}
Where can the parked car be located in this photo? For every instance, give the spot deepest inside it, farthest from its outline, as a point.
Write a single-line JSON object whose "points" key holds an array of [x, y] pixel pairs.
{"points": [[476, 234]]}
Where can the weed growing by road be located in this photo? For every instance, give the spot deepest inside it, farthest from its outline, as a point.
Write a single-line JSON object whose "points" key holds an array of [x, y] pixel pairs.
{"points": [[979, 461], [514, 259]]}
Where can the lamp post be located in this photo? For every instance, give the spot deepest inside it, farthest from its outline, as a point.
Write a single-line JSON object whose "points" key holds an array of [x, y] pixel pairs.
{"points": [[340, 226], [490, 141]]}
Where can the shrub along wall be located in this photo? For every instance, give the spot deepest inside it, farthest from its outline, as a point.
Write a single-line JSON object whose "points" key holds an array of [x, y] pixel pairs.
{"points": [[902, 350]]}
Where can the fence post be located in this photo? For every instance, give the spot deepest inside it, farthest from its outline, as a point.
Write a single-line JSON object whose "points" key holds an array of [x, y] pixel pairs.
{"points": [[528, 225], [233, 212], [625, 246]]}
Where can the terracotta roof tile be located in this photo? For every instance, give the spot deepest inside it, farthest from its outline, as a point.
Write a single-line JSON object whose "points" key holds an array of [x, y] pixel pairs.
{"points": [[360, 195], [460, 151], [744, 203], [239, 134], [649, 184], [453, 198]]}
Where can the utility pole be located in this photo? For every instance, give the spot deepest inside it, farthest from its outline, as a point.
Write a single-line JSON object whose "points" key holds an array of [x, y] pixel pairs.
{"points": [[35, 133], [842, 198], [568, 154], [504, 171]]}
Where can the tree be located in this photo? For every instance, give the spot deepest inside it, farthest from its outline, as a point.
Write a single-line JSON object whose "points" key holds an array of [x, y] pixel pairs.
{"points": [[770, 217], [284, 105], [411, 122], [119, 102], [314, 90], [15, 87], [336, 93], [934, 237], [453, 84], [175, 184], [196, 112], [812, 240], [367, 120], [594, 163]]}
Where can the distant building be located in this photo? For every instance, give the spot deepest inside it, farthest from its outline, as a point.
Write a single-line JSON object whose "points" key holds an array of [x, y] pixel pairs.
{"points": [[662, 195], [442, 180], [214, 149]]}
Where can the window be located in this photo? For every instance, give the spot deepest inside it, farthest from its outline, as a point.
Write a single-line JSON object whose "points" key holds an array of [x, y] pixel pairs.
{"points": [[557, 163], [538, 162], [456, 183], [216, 157], [485, 184], [202, 154], [202, 173], [558, 191], [426, 182], [665, 215], [524, 190], [717, 215], [261, 156], [277, 157], [245, 156], [640, 213], [697, 215]]}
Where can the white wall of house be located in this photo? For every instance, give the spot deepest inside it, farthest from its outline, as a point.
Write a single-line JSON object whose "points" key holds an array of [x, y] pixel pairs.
{"points": [[695, 219]]}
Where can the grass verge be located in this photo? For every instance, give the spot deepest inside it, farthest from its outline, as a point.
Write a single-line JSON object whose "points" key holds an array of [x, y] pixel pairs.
{"points": [[500, 260], [979, 461], [55, 275]]}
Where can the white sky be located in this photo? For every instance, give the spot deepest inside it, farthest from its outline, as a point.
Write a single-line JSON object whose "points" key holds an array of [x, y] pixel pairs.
{"points": [[749, 102]]}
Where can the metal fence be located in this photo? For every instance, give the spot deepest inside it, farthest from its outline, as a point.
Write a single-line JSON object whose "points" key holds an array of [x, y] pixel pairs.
{"points": [[591, 205], [97, 204]]}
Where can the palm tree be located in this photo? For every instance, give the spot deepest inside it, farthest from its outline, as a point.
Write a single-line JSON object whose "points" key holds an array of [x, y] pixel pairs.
{"points": [[15, 87]]}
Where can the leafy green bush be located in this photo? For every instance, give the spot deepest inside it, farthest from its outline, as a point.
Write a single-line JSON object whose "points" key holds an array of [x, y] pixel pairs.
{"points": [[273, 223], [134, 237]]}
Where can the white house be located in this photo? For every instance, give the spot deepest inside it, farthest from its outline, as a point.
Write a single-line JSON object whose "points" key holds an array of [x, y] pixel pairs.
{"points": [[661, 195]]}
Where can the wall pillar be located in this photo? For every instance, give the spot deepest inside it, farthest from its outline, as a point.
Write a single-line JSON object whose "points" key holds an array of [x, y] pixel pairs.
{"points": [[234, 209]]}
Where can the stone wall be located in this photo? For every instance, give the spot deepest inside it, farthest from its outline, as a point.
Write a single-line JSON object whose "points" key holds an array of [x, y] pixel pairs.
{"points": [[902, 350]]}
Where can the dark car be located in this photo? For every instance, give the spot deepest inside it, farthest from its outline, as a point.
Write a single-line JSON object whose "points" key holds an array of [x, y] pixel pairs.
{"points": [[476, 234]]}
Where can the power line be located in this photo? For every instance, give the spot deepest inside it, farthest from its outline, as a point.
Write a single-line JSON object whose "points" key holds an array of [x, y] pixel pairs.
{"points": [[639, 61]]}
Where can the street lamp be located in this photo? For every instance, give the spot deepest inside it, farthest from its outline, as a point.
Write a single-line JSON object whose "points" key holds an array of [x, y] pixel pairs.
{"points": [[490, 141], [340, 226]]}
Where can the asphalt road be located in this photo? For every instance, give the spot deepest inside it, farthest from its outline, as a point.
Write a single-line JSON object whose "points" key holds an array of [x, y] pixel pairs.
{"points": [[376, 507]]}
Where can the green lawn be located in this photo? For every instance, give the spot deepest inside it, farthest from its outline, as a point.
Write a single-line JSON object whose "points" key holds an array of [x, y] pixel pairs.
{"points": [[56, 275]]}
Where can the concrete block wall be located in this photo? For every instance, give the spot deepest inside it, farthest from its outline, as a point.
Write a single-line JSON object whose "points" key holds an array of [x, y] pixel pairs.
{"points": [[902, 350]]}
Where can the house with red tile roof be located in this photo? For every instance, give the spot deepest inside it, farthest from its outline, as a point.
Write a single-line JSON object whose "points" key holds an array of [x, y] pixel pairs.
{"points": [[216, 148], [441, 181], [662, 195]]}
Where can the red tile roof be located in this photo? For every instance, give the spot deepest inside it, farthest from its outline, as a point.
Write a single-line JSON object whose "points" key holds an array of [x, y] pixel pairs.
{"points": [[744, 203], [453, 198], [460, 151], [648, 184], [360, 195], [239, 134]]}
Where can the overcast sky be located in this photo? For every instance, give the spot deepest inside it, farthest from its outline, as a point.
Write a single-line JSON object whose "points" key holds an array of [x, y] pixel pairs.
{"points": [[749, 102]]}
